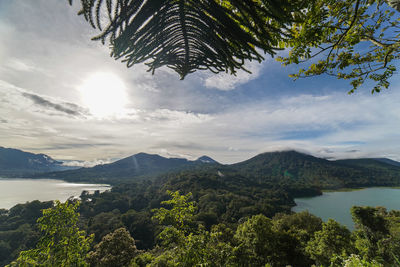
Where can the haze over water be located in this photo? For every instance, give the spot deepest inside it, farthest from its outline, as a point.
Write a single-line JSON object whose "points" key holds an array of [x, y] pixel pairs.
{"points": [[336, 205], [15, 191]]}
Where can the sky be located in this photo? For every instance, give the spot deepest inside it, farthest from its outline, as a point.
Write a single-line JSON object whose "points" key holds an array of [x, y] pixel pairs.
{"points": [[61, 94]]}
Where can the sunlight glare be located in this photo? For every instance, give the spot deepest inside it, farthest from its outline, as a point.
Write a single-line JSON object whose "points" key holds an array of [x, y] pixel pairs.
{"points": [[104, 94]]}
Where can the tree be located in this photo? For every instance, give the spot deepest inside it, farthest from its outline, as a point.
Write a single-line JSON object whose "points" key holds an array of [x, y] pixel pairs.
{"points": [[186, 35], [295, 231], [356, 261], [377, 233], [183, 244], [181, 213], [61, 242], [356, 40], [116, 249], [257, 242], [333, 241]]}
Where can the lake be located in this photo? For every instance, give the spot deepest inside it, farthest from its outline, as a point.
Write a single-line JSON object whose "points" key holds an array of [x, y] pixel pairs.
{"points": [[15, 191], [336, 205]]}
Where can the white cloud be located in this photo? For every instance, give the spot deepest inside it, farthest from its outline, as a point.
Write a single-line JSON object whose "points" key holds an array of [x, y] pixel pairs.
{"points": [[20, 65], [86, 164], [226, 81]]}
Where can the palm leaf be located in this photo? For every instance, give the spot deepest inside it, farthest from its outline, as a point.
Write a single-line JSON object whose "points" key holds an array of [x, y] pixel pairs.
{"points": [[187, 35]]}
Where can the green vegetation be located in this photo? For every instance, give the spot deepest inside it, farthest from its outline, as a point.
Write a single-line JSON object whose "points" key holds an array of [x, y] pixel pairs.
{"points": [[287, 239], [355, 40], [61, 242], [222, 216], [115, 249]]}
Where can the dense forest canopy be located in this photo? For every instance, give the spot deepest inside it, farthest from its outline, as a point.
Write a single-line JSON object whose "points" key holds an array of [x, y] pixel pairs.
{"points": [[183, 240], [349, 39]]}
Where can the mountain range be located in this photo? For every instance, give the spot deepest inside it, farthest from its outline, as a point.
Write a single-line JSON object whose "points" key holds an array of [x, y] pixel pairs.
{"points": [[140, 165], [284, 167]]}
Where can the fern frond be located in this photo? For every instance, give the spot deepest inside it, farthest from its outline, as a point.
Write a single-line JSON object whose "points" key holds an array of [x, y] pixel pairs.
{"points": [[187, 35]]}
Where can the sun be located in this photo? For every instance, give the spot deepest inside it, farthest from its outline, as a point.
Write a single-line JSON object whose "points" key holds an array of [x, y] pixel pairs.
{"points": [[104, 94]]}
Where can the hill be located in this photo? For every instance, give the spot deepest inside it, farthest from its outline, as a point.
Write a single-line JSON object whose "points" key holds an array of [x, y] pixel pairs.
{"points": [[14, 163], [298, 169], [137, 166]]}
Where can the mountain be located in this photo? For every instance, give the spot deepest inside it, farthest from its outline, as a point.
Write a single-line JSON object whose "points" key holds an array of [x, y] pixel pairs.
{"points": [[14, 162], [135, 166], [295, 168]]}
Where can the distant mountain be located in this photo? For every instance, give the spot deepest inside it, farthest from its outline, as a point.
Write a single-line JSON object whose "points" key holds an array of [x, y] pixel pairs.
{"points": [[292, 167], [138, 165], [14, 162]]}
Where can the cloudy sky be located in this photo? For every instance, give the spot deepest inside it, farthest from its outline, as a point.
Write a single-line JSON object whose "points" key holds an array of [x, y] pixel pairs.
{"points": [[62, 95]]}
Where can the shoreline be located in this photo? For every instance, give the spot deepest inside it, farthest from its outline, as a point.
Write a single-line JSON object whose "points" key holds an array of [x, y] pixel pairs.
{"points": [[349, 189]]}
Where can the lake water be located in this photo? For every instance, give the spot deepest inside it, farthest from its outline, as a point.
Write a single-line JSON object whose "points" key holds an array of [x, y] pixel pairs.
{"points": [[336, 205], [15, 191]]}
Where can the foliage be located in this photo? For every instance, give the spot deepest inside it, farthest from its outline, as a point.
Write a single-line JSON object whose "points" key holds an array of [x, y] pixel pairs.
{"points": [[333, 241], [298, 239], [184, 245], [257, 242], [355, 261], [61, 243], [181, 213], [295, 231], [355, 40], [116, 249], [378, 233], [187, 35]]}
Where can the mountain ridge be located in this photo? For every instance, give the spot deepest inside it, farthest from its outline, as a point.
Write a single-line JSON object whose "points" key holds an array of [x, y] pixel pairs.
{"points": [[290, 167], [136, 166], [15, 162]]}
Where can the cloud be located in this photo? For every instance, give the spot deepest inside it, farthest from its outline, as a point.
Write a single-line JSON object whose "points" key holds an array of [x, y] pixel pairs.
{"points": [[76, 145], [85, 164], [20, 65], [14, 97], [353, 151], [63, 107], [226, 81]]}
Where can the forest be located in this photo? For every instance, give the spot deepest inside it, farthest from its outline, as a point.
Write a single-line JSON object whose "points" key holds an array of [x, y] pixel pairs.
{"points": [[201, 217]]}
